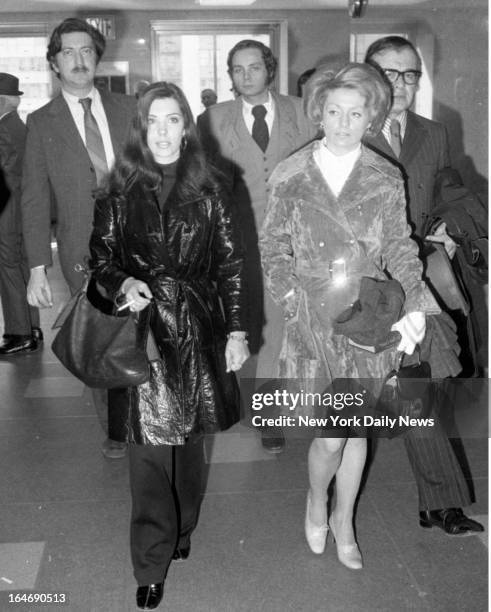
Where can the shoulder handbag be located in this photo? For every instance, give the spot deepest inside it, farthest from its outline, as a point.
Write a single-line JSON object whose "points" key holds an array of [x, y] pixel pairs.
{"points": [[102, 349], [407, 393]]}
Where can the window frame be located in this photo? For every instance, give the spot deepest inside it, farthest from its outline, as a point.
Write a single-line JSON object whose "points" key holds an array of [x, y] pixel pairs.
{"points": [[276, 28]]}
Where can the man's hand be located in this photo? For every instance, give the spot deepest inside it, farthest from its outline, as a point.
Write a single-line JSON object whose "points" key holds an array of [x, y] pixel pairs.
{"points": [[440, 235], [38, 289]]}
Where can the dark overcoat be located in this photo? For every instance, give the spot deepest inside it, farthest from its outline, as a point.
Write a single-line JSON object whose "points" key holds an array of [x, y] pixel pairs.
{"points": [[189, 253]]}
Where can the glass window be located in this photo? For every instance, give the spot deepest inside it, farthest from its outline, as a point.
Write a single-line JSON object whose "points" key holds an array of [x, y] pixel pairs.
{"points": [[25, 58]]}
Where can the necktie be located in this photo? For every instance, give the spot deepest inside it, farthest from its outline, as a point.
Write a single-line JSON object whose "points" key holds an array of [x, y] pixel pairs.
{"points": [[260, 127], [395, 137], [93, 141]]}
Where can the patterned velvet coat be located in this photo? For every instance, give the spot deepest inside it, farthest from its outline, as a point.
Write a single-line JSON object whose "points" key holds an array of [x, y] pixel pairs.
{"points": [[184, 253], [315, 247]]}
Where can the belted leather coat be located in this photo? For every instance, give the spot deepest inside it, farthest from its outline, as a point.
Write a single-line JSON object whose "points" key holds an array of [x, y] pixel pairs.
{"points": [[189, 253]]}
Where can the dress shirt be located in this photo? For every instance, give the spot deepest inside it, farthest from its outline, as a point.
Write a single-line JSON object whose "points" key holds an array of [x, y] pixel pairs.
{"points": [[97, 110], [335, 168], [402, 118], [249, 117]]}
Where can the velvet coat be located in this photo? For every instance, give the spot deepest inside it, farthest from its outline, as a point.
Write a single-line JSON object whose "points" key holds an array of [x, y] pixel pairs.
{"points": [[315, 249], [189, 253]]}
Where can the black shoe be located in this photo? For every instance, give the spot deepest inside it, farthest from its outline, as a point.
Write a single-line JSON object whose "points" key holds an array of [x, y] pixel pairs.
{"points": [[148, 597], [37, 334], [273, 440], [181, 554], [451, 520], [18, 345]]}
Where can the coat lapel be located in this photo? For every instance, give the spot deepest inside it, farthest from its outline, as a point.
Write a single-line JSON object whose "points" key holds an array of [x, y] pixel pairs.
{"points": [[285, 118], [63, 124], [413, 139], [116, 120], [230, 125]]}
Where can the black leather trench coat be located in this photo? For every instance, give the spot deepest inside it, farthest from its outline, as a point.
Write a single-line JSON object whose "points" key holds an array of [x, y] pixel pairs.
{"points": [[189, 254]]}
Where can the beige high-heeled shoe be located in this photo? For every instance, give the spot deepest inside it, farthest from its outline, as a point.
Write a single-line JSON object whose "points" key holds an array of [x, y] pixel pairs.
{"points": [[348, 554], [316, 534]]}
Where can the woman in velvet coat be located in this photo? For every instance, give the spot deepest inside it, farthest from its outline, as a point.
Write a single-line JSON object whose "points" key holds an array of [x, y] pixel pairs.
{"points": [[337, 213], [165, 242]]}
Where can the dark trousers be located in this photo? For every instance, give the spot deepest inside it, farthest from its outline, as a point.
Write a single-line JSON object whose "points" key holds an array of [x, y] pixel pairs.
{"points": [[439, 477], [111, 407], [165, 483], [18, 316]]}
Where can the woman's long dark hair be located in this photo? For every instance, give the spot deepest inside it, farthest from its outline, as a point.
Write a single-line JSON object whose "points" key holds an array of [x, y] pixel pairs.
{"points": [[194, 175]]}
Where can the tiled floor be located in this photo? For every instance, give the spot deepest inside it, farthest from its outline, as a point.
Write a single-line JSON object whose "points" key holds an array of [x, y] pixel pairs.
{"points": [[64, 519]]}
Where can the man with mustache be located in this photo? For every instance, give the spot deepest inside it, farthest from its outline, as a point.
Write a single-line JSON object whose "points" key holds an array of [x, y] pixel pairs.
{"points": [[71, 143]]}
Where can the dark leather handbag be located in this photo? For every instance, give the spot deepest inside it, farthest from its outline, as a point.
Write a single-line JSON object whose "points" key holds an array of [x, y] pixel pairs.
{"points": [[101, 349], [407, 394]]}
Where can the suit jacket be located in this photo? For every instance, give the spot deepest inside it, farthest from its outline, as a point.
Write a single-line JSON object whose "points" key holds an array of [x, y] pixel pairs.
{"points": [[247, 169], [12, 143], [424, 153], [226, 138], [58, 172]]}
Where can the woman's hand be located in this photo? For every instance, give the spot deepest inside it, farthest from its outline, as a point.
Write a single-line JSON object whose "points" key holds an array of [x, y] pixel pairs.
{"points": [[236, 351], [440, 235], [412, 328], [137, 294]]}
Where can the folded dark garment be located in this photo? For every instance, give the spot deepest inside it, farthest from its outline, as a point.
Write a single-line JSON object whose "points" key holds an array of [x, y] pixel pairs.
{"points": [[379, 305]]}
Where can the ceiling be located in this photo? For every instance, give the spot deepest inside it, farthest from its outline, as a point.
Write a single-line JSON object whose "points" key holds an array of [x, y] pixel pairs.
{"points": [[29, 6]]}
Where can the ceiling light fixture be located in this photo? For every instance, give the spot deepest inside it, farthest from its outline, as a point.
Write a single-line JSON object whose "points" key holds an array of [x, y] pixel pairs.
{"points": [[356, 8]]}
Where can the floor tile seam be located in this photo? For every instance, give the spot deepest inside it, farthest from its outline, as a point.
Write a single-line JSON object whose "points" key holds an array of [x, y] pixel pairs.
{"points": [[64, 501], [414, 583]]}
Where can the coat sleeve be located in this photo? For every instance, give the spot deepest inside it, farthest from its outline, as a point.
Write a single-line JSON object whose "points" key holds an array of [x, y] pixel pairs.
{"points": [[106, 249], [36, 200], [400, 254], [9, 157], [228, 265], [277, 256]]}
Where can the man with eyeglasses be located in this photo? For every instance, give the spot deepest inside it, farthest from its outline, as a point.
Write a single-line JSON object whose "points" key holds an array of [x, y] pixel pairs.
{"points": [[420, 148], [415, 142], [70, 146]]}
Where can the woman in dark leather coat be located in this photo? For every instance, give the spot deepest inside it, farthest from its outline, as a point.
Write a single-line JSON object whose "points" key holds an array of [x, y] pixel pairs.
{"points": [[166, 243]]}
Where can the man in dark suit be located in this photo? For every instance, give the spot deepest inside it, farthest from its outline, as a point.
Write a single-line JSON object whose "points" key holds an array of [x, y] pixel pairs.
{"points": [[420, 148], [248, 147], [22, 333], [71, 143]]}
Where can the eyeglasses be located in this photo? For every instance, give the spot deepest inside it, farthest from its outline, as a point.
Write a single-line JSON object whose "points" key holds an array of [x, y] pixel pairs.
{"points": [[410, 77]]}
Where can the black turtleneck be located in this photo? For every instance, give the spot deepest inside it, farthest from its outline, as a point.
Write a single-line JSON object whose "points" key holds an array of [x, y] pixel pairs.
{"points": [[168, 180]]}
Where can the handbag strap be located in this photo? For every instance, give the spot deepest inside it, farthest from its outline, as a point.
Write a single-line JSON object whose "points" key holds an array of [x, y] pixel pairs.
{"points": [[402, 356]]}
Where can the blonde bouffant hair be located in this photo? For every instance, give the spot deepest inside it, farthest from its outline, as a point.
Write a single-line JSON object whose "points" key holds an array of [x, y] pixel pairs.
{"points": [[365, 79]]}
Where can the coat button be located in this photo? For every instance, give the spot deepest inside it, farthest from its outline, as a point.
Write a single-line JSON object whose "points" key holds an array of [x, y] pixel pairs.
{"points": [[321, 244], [352, 242]]}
